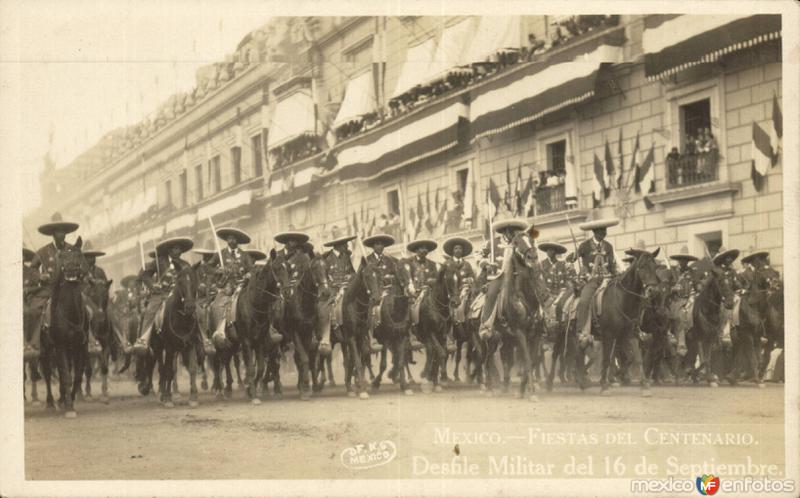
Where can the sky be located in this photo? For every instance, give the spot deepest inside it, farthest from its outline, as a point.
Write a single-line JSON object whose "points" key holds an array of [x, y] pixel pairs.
{"points": [[81, 69]]}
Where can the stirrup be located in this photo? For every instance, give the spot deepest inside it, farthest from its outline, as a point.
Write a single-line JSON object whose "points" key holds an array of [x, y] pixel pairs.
{"points": [[375, 346], [324, 348], [30, 353], [140, 347]]}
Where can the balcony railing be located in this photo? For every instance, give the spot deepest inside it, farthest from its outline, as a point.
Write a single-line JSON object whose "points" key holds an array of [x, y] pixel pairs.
{"points": [[692, 169], [550, 199]]}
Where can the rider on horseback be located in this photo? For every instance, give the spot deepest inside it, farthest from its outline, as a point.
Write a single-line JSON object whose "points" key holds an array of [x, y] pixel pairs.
{"points": [[683, 293], [166, 266], [730, 318], [598, 265], [384, 267], [456, 248], [556, 276], [95, 277], [235, 270], [46, 260], [423, 276], [339, 272]]}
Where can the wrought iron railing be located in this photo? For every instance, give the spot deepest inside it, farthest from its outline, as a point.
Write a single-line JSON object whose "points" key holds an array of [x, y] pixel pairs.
{"points": [[550, 199], [692, 169]]}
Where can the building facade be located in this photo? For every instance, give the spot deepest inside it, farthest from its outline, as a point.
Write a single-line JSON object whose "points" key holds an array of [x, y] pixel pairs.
{"points": [[428, 126]]}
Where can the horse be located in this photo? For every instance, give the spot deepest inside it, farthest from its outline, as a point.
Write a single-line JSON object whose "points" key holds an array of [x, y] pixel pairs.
{"points": [[773, 322], [565, 349], [518, 318], [704, 335], [96, 297], [254, 309], [392, 333], [66, 343], [354, 336], [655, 325], [619, 317], [434, 320]]}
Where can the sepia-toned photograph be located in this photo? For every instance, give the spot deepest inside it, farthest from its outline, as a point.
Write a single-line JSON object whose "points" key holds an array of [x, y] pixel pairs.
{"points": [[480, 248]]}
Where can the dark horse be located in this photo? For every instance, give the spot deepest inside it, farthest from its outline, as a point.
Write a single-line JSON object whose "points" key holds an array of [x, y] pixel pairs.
{"points": [[518, 317], [773, 322], [66, 344], [100, 328], [392, 332], [353, 332], [434, 320], [619, 318], [704, 335], [254, 309], [179, 335]]}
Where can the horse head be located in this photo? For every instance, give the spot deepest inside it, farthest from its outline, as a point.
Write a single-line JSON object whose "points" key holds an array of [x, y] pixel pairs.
{"points": [[448, 279], [319, 275], [646, 269], [525, 249], [186, 289], [72, 263]]}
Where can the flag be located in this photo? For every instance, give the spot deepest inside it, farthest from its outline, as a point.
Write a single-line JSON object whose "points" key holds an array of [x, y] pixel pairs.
{"points": [[609, 179], [519, 197], [468, 197], [528, 197], [508, 197], [411, 225], [621, 163], [761, 153], [634, 167], [776, 134], [598, 193], [355, 224], [420, 214], [645, 179], [492, 198], [570, 180]]}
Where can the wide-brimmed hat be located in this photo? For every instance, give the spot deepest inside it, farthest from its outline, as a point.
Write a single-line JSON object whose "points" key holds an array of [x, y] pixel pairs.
{"points": [[754, 255], [683, 255], [430, 245], [88, 251], [339, 241], [513, 224], [628, 259], [57, 224], [240, 236], [725, 254], [597, 224], [203, 251], [27, 254], [128, 280], [285, 237], [452, 242], [554, 246], [639, 249], [183, 243], [256, 255], [386, 240]]}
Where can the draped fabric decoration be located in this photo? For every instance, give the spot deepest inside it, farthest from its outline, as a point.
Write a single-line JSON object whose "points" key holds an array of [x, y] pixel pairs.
{"points": [[451, 54], [429, 132], [536, 90], [416, 66], [225, 204], [359, 99], [294, 188], [494, 34], [293, 117], [673, 43], [761, 152]]}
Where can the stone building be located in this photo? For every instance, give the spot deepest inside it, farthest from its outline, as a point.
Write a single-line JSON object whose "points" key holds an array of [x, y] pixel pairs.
{"points": [[422, 126]]}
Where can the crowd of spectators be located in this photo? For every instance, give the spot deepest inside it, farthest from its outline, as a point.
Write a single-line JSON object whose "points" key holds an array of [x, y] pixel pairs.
{"points": [[697, 161]]}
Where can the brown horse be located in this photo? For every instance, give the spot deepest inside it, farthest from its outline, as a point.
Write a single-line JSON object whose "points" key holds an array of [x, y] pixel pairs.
{"points": [[622, 306], [704, 336], [96, 298], [65, 345], [354, 337], [254, 310]]}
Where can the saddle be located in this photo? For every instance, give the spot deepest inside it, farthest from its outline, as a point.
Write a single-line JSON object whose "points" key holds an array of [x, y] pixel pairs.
{"points": [[337, 310], [597, 299], [416, 306], [459, 312], [476, 306], [230, 312]]}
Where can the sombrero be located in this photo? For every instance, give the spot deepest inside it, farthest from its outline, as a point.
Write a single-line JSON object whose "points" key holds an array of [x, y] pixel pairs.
{"points": [[513, 224], [256, 254], [554, 246], [128, 280], [89, 252], [597, 224], [240, 236], [204, 252], [183, 243], [385, 240], [724, 254], [752, 256], [27, 254], [628, 259], [285, 237], [637, 251], [57, 224], [450, 243], [430, 245], [339, 241], [683, 255]]}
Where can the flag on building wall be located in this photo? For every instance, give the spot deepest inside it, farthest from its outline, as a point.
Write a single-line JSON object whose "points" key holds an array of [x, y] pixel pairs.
{"points": [[621, 162], [645, 177], [599, 190], [609, 179], [528, 197], [570, 180], [776, 134], [519, 197], [634, 167], [420, 214], [492, 199], [469, 196], [761, 154]]}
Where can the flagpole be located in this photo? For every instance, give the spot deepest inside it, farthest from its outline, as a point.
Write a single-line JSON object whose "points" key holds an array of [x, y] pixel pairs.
{"points": [[141, 253], [216, 243], [155, 253]]}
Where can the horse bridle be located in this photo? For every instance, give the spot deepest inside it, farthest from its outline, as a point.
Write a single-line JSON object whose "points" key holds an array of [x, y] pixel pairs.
{"points": [[271, 294]]}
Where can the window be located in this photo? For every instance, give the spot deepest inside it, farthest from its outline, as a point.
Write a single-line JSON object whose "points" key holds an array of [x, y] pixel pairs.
{"points": [[695, 119], [216, 175], [258, 167], [184, 189], [389, 221], [556, 157], [462, 176], [359, 53], [555, 181], [393, 202], [236, 161], [712, 241], [168, 193], [198, 178]]}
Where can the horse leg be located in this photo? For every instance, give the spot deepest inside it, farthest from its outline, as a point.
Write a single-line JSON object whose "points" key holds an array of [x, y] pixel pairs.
{"points": [[357, 357], [47, 370], [79, 359], [105, 353], [88, 391], [634, 352], [609, 345], [192, 364], [559, 347], [237, 365], [227, 358], [329, 366], [174, 386], [249, 371], [167, 372], [525, 367], [260, 367], [376, 382]]}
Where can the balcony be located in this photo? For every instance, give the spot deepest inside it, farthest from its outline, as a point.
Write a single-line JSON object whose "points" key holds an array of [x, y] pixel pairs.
{"points": [[687, 170], [550, 199]]}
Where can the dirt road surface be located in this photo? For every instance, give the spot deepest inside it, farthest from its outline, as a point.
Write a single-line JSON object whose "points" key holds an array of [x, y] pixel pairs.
{"points": [[134, 437]]}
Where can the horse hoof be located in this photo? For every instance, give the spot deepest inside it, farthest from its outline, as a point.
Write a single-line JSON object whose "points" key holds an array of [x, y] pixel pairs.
{"points": [[615, 384], [408, 392], [520, 396], [533, 398], [71, 414], [219, 395], [351, 394], [363, 395], [305, 397], [104, 400], [426, 387], [169, 404], [536, 386], [277, 396], [482, 389], [713, 384], [437, 389], [176, 396], [332, 383], [255, 401], [646, 393], [193, 403]]}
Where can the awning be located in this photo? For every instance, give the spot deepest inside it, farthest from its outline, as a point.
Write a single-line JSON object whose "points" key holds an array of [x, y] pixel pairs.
{"points": [[567, 78], [293, 116], [413, 137], [225, 204], [494, 34], [183, 221], [673, 42], [359, 99], [451, 52], [416, 67], [292, 189]]}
